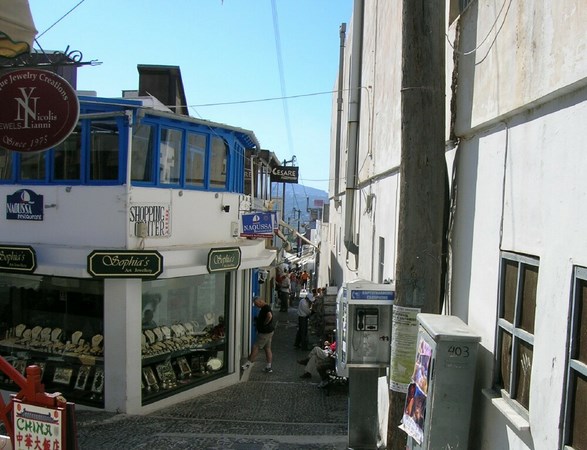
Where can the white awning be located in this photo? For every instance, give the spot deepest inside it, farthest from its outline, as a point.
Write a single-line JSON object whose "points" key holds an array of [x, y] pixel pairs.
{"points": [[17, 29]]}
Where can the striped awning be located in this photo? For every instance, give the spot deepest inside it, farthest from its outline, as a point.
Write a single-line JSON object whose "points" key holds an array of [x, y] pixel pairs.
{"points": [[17, 29]]}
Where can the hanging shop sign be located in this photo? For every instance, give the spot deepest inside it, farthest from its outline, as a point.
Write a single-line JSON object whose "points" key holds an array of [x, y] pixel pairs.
{"points": [[223, 259], [125, 264], [39, 110], [17, 258], [24, 204], [258, 225], [284, 174]]}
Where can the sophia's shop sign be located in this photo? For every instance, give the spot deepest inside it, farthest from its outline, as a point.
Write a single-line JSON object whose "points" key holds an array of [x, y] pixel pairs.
{"points": [[224, 259], [125, 264], [17, 258]]}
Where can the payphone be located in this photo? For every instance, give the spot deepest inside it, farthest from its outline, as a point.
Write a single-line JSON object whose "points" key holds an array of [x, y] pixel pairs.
{"points": [[367, 319], [363, 325], [364, 312]]}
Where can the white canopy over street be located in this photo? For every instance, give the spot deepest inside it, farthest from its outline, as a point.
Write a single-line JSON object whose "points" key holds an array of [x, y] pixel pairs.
{"points": [[17, 29]]}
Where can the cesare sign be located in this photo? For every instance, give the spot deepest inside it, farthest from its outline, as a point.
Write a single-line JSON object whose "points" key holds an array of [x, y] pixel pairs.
{"points": [[284, 174], [39, 110]]}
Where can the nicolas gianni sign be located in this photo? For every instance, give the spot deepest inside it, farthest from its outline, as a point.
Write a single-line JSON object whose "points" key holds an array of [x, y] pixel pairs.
{"points": [[39, 110]]}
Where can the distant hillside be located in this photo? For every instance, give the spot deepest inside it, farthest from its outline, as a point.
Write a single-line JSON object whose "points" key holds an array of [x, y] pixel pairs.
{"points": [[299, 197]]}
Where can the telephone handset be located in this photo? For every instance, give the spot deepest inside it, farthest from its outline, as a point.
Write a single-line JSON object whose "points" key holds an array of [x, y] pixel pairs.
{"points": [[367, 319]]}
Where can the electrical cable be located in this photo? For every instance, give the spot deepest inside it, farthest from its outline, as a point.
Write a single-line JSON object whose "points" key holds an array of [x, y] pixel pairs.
{"points": [[60, 19], [469, 52], [268, 99], [281, 75]]}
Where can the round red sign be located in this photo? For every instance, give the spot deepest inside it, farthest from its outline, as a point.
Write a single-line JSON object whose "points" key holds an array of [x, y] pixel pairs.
{"points": [[39, 110]]}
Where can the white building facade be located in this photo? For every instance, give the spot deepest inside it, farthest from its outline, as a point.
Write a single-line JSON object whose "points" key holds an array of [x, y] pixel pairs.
{"points": [[123, 274], [517, 79]]}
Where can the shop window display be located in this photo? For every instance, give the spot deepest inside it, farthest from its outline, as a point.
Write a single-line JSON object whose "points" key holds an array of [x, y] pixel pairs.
{"points": [[183, 332], [57, 324]]}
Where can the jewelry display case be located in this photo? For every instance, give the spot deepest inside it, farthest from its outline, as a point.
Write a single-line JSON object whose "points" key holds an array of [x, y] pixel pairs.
{"points": [[183, 334], [179, 359], [67, 367], [56, 324]]}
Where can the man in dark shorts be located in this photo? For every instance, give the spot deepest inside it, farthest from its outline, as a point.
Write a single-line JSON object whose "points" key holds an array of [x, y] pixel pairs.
{"points": [[265, 329]]}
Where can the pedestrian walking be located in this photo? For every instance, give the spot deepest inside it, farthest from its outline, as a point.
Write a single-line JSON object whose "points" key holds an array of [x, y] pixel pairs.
{"points": [[284, 288], [305, 279], [293, 286], [265, 329], [304, 312]]}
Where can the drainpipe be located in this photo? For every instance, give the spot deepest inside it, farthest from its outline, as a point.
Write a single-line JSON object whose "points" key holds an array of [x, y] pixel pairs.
{"points": [[128, 175], [339, 110], [253, 176], [353, 127]]}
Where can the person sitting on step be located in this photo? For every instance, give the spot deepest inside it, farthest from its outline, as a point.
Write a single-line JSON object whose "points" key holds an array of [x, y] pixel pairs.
{"points": [[319, 360]]}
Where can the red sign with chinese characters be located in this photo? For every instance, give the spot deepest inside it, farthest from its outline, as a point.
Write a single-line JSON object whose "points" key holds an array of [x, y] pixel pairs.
{"points": [[39, 110]]}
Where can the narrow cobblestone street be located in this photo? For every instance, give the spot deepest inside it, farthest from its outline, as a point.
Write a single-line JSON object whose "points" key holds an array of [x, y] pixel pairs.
{"points": [[268, 411]]}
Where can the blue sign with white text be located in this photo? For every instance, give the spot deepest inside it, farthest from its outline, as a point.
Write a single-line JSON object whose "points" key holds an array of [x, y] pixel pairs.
{"points": [[259, 224], [364, 294], [24, 204]]}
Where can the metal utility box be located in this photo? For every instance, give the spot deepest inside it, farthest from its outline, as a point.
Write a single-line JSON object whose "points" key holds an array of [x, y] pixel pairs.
{"points": [[363, 311], [439, 400]]}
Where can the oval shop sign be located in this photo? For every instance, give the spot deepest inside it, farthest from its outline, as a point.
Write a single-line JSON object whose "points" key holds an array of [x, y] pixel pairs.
{"points": [[39, 110]]}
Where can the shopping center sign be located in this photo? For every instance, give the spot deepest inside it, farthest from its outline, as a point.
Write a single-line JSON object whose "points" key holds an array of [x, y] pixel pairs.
{"points": [[39, 110]]}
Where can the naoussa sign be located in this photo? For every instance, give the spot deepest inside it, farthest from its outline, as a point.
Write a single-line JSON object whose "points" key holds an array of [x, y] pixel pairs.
{"points": [[39, 110]]}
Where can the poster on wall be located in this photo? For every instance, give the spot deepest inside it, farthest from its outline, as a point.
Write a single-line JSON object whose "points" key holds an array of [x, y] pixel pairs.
{"points": [[404, 333], [414, 413]]}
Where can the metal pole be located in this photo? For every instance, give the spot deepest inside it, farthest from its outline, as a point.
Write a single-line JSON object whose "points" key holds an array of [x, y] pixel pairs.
{"points": [[283, 196]]}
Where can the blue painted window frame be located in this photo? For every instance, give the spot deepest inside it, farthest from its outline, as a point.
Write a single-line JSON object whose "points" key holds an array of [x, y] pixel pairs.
{"points": [[235, 157]]}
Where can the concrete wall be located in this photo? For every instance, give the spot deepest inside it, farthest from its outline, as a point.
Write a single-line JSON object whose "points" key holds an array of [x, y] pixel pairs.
{"points": [[521, 103], [378, 151], [519, 116]]}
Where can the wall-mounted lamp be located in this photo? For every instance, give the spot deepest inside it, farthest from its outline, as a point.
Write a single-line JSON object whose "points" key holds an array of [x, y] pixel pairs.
{"points": [[225, 208], [337, 203]]}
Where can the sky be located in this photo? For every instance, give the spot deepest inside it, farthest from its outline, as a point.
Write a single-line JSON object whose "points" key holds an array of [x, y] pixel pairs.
{"points": [[227, 51]]}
